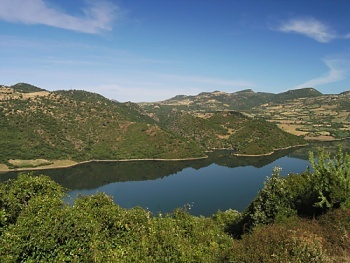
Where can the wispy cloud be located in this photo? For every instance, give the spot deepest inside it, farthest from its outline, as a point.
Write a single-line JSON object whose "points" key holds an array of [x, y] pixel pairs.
{"points": [[309, 27], [312, 28], [96, 16], [339, 69]]}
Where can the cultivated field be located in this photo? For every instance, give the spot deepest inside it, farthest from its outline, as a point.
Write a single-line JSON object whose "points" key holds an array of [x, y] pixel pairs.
{"points": [[323, 118]]}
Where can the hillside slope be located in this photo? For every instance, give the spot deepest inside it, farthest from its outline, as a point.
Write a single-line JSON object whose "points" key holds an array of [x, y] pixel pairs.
{"points": [[230, 130], [303, 112], [80, 126]]}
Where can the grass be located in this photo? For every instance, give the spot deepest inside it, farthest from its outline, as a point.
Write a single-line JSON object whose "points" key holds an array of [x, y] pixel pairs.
{"points": [[3, 167], [29, 163], [37, 163]]}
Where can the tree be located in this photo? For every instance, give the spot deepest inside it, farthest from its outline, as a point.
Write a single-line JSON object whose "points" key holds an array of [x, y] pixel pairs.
{"points": [[19, 192]]}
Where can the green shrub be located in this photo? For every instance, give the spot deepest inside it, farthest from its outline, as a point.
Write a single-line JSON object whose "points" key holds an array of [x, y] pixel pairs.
{"points": [[331, 179], [19, 192], [272, 203], [307, 194], [279, 243], [302, 194]]}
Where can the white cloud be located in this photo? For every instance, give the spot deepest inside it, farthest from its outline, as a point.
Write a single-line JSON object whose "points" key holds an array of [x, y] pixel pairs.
{"points": [[97, 16], [338, 70], [309, 27]]}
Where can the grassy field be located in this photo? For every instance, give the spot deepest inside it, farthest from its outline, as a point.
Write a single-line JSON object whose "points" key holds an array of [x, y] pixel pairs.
{"points": [[37, 164]]}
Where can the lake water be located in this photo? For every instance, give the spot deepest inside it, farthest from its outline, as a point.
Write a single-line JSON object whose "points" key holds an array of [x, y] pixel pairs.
{"points": [[221, 181]]}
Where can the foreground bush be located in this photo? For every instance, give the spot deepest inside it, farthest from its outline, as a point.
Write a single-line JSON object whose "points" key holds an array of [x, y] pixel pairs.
{"points": [[278, 243], [298, 240], [331, 179]]}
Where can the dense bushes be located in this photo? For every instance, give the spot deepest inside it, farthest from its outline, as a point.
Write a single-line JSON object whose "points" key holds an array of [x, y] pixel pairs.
{"points": [[37, 226], [279, 243], [308, 194], [272, 202], [331, 179]]}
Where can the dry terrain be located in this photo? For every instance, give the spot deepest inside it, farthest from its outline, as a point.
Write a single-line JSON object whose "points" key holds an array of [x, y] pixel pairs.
{"points": [[323, 118]]}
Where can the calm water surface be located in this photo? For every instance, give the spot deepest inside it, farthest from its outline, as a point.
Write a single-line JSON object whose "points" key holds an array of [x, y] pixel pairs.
{"points": [[220, 182], [206, 190]]}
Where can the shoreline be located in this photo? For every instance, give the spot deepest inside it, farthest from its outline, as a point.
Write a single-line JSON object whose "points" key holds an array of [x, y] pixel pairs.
{"points": [[269, 153], [53, 166]]}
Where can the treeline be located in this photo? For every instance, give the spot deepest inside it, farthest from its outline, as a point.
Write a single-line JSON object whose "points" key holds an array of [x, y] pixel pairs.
{"points": [[299, 218]]}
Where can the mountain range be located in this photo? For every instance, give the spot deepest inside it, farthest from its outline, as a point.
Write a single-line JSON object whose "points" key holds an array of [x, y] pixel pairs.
{"points": [[79, 125], [302, 112]]}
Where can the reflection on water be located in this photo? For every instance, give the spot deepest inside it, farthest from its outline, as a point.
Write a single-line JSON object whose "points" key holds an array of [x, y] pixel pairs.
{"points": [[221, 181], [209, 188]]}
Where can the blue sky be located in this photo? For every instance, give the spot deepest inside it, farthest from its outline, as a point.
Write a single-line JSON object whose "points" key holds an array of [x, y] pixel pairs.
{"points": [[138, 50]]}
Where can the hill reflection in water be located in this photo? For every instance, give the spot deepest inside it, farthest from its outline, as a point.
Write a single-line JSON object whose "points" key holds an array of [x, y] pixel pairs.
{"points": [[221, 181], [96, 174]]}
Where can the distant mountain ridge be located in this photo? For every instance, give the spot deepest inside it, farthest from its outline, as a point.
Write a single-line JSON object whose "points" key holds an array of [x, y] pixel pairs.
{"points": [[304, 112], [240, 100]]}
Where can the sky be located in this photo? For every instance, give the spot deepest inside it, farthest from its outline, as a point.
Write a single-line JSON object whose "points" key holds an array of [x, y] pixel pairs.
{"points": [[152, 50]]}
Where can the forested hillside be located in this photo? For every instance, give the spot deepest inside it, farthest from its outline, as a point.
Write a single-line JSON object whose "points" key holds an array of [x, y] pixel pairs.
{"points": [[229, 130], [81, 126]]}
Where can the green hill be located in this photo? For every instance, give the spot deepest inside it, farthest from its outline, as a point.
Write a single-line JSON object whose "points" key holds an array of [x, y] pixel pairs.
{"points": [[80, 126], [229, 130]]}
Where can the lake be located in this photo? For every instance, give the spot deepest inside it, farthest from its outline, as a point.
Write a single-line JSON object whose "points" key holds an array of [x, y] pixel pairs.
{"points": [[220, 182]]}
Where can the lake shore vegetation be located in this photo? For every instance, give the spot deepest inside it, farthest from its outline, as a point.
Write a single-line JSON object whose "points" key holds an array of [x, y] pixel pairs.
{"points": [[298, 218]]}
